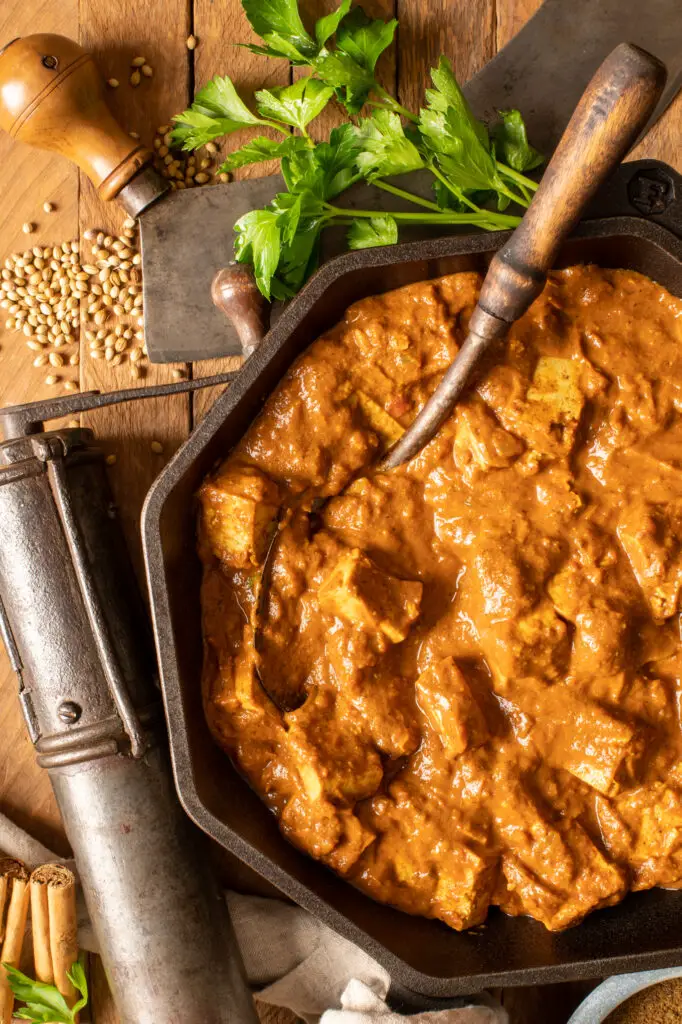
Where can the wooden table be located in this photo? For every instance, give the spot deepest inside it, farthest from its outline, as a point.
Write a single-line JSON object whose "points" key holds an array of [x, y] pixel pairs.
{"points": [[468, 31]]}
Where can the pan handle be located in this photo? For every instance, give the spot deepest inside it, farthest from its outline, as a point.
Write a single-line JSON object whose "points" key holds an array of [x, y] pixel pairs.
{"points": [[52, 97], [235, 293]]}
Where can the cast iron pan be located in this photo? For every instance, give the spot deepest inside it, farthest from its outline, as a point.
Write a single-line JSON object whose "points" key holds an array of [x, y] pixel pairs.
{"points": [[635, 223]]}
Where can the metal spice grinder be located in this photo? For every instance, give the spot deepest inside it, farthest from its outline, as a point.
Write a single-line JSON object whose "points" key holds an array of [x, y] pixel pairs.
{"points": [[77, 634]]}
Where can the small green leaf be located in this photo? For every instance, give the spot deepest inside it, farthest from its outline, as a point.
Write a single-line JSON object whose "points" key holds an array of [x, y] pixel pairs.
{"points": [[336, 160], [279, 18], [217, 110], [326, 27], [512, 143], [276, 46], [220, 98], [372, 231], [351, 81], [365, 39], [43, 1001], [385, 147], [448, 94], [79, 981], [296, 104], [258, 242], [261, 149]]}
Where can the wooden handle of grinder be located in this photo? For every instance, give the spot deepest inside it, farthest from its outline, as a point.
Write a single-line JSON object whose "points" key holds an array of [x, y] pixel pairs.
{"points": [[235, 293], [610, 115], [52, 97]]}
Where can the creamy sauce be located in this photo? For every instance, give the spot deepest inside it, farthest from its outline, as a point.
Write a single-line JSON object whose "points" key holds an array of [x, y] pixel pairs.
{"points": [[486, 641]]}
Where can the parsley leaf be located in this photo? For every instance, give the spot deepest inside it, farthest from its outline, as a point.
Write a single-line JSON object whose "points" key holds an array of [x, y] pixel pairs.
{"points": [[260, 149], [454, 137], [385, 147], [371, 231], [325, 170], [296, 104], [280, 18], [44, 1003], [512, 143], [336, 160], [364, 39], [326, 27], [217, 110], [277, 46], [351, 81], [258, 242]]}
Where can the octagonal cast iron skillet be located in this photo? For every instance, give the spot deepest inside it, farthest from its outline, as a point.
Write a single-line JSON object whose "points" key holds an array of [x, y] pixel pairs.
{"points": [[635, 223]]}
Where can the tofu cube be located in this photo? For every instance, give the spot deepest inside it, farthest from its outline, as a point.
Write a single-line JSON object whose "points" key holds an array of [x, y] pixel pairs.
{"points": [[239, 510], [450, 708], [575, 733], [360, 593], [651, 536]]}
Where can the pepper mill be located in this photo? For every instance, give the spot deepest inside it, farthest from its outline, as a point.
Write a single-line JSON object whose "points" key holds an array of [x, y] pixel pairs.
{"points": [[77, 634]]}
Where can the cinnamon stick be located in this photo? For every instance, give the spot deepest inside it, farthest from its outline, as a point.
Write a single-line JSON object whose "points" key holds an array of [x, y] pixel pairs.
{"points": [[55, 928], [14, 900]]}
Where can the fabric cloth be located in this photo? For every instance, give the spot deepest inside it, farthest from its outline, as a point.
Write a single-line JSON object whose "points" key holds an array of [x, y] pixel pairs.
{"points": [[291, 959]]}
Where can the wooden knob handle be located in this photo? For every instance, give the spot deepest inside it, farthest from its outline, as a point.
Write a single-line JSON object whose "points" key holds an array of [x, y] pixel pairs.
{"points": [[52, 97], [234, 291], [612, 111]]}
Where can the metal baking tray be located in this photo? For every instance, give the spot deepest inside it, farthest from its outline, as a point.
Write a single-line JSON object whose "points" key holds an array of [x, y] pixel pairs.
{"points": [[639, 227]]}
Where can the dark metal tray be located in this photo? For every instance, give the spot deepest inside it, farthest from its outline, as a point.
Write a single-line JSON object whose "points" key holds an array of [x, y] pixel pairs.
{"points": [[422, 956]]}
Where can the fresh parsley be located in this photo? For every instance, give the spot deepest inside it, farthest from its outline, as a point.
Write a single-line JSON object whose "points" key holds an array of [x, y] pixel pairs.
{"points": [[511, 141], [473, 170], [296, 105], [379, 230], [45, 1004]]}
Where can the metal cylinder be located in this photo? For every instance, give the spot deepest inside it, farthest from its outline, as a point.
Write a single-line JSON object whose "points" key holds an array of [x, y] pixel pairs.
{"points": [[78, 637]]}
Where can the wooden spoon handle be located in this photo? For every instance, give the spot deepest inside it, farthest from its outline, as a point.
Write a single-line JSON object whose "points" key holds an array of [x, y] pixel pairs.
{"points": [[612, 111], [52, 97], [235, 293]]}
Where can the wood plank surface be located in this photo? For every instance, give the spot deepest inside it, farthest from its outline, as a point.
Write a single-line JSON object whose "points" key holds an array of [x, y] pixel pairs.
{"points": [[468, 31]]}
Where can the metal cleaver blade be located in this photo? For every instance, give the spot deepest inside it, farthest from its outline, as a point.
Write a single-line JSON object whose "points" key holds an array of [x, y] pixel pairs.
{"points": [[188, 236]]}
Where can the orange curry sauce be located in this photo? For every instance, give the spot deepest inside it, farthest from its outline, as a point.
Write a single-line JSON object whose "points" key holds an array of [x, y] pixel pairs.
{"points": [[482, 646]]}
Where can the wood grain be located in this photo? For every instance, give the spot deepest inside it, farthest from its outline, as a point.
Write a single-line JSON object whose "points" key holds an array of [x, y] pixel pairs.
{"points": [[115, 34], [463, 30]]}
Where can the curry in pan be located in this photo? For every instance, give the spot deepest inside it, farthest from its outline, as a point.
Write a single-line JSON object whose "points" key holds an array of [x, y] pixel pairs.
{"points": [[480, 651]]}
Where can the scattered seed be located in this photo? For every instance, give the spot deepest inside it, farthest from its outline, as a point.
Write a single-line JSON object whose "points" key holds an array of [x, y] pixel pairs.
{"points": [[156, 447], [211, 148], [52, 379], [135, 78], [48, 207], [71, 385], [28, 228], [192, 42], [133, 135], [113, 83], [40, 360], [110, 460], [147, 71]]}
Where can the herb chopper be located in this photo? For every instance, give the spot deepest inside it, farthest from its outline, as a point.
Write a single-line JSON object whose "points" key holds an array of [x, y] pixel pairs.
{"points": [[77, 635], [51, 96]]}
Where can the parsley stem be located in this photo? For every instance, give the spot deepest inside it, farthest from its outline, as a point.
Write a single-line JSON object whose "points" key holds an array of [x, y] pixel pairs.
{"points": [[458, 194], [513, 175], [482, 219], [514, 196], [403, 194], [393, 103]]}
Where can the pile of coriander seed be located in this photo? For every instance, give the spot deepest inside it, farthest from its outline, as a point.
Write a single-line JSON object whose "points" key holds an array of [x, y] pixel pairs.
{"points": [[49, 292]]}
